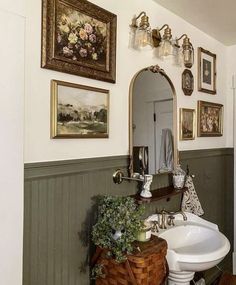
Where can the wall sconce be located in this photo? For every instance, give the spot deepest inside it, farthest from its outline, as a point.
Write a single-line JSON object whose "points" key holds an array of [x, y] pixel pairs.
{"points": [[165, 42], [187, 50], [143, 32], [145, 36]]}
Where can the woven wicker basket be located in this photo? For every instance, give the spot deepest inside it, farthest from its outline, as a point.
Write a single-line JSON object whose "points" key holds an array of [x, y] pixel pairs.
{"points": [[148, 267]]}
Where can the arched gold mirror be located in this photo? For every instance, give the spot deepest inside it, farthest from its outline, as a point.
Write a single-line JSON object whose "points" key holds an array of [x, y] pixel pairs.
{"points": [[153, 122]]}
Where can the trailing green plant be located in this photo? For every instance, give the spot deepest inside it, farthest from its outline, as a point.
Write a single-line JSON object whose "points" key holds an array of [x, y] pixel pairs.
{"points": [[117, 214], [97, 272]]}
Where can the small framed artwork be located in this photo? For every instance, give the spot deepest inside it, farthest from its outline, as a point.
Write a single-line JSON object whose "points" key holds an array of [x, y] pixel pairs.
{"points": [[79, 37], [187, 82], [78, 111], [187, 124], [206, 71], [210, 117]]}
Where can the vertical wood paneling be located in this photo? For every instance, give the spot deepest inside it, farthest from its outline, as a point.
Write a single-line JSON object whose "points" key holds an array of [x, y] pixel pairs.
{"points": [[34, 238], [50, 230], [59, 210]]}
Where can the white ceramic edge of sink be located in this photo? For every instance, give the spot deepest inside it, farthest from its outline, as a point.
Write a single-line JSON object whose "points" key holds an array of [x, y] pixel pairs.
{"points": [[195, 220]]}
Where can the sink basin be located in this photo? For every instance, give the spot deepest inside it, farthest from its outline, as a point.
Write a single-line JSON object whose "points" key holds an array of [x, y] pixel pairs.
{"points": [[193, 245]]}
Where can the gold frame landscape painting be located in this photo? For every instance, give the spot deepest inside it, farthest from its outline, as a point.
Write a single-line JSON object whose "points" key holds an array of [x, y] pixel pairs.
{"points": [[187, 124], [78, 111]]}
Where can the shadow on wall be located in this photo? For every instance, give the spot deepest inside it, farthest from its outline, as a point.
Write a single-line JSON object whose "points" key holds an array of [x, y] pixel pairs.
{"points": [[85, 234]]}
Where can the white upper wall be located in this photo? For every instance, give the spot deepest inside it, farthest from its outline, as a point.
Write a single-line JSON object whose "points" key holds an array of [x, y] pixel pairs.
{"points": [[12, 52], [39, 146], [231, 73], [13, 6]]}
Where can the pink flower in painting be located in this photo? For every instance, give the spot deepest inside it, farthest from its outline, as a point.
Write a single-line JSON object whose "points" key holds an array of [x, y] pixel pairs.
{"points": [[92, 38], [83, 35], [67, 51], [88, 28], [59, 38], [83, 52]]}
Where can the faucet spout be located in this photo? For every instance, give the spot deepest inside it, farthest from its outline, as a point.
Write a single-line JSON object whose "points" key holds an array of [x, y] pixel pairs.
{"points": [[183, 214]]}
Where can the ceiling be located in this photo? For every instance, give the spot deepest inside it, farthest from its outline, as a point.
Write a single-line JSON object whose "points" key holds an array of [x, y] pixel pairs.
{"points": [[216, 18]]}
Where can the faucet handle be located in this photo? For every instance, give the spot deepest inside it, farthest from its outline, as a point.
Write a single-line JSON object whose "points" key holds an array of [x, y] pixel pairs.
{"points": [[154, 227], [170, 220], [163, 214]]}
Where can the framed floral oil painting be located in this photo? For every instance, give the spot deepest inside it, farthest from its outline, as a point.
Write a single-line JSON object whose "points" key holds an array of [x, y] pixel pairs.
{"points": [[210, 117], [78, 111], [206, 71], [79, 37], [187, 124]]}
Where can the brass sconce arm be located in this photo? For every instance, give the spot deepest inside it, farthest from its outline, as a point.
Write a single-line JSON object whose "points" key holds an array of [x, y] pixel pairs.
{"points": [[184, 35], [177, 40], [164, 26], [118, 177], [156, 35], [144, 21]]}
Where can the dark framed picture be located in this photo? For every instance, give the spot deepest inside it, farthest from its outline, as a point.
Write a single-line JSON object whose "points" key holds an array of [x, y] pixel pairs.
{"points": [[79, 37], [206, 71], [187, 82], [187, 124], [78, 111], [210, 119]]}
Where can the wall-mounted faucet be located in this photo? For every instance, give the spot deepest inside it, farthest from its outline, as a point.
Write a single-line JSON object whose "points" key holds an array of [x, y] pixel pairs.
{"points": [[146, 179]]}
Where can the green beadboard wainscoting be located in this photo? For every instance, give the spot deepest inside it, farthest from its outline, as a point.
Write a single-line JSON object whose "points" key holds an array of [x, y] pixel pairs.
{"points": [[60, 209]]}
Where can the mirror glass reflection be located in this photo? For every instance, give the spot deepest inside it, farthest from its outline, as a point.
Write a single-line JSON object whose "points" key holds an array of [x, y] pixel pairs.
{"points": [[152, 123]]}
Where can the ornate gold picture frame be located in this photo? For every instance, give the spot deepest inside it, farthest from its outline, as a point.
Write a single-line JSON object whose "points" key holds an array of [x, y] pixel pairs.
{"points": [[187, 82], [187, 124], [79, 37], [78, 111], [206, 71], [210, 119]]}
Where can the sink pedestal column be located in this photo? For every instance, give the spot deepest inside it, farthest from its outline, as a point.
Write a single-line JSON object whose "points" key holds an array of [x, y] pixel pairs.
{"points": [[180, 277]]}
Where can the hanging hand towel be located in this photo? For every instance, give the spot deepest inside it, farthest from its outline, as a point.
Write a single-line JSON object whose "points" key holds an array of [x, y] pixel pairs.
{"points": [[166, 152], [190, 201]]}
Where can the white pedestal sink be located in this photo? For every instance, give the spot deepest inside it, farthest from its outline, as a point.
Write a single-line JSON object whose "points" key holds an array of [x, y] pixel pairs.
{"points": [[193, 245]]}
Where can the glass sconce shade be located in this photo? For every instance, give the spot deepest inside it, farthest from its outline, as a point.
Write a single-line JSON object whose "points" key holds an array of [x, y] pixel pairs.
{"points": [[143, 38], [166, 48], [188, 53], [188, 57], [177, 54]]}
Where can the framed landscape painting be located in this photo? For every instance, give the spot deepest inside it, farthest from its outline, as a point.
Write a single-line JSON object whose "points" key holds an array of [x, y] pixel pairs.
{"points": [[206, 71], [210, 119], [78, 111], [187, 124], [79, 37]]}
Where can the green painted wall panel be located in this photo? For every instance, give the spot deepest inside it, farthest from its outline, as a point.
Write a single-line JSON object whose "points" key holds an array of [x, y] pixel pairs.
{"points": [[59, 208]]}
